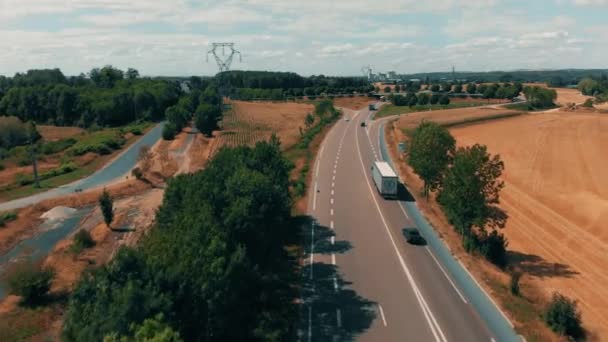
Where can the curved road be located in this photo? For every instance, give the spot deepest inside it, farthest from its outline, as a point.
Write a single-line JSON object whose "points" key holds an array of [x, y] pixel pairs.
{"points": [[363, 281], [117, 168]]}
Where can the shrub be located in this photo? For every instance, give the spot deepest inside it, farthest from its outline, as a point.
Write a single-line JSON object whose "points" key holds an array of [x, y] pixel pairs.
{"points": [[169, 131], [563, 317], [82, 240], [136, 131], [137, 173], [444, 100], [494, 248], [31, 282], [52, 147], [514, 283], [2, 167], [99, 142], [588, 103], [7, 217]]}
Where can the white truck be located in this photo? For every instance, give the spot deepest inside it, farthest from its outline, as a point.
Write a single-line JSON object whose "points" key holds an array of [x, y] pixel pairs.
{"points": [[385, 179]]}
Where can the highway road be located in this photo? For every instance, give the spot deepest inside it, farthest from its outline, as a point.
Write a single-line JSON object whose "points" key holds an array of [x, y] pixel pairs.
{"points": [[117, 168], [363, 281]]}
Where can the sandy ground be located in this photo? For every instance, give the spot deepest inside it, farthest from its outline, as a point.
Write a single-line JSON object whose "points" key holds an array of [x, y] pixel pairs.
{"points": [[450, 116], [565, 96], [258, 120], [356, 102], [50, 133], [556, 196]]}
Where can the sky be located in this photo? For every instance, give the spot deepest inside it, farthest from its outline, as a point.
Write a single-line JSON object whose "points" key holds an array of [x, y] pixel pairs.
{"points": [[330, 37]]}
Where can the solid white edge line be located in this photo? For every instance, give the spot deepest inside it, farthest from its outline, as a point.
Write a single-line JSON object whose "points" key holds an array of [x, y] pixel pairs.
{"points": [[487, 295], [333, 259], [312, 247], [333, 240], [382, 315], [446, 275], [430, 318]]}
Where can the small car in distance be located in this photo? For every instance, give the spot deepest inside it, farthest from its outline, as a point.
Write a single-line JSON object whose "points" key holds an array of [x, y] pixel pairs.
{"points": [[362, 123], [412, 235]]}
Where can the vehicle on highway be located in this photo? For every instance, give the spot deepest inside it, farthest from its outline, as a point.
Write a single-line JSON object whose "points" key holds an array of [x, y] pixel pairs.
{"points": [[412, 235], [362, 123], [372, 106], [385, 179], [346, 118]]}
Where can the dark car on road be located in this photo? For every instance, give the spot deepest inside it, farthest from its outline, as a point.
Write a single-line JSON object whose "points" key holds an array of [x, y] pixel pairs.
{"points": [[412, 235], [362, 123]]}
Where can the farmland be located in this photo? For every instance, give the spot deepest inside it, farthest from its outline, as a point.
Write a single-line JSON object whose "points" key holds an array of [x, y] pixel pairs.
{"points": [[454, 116], [556, 196]]}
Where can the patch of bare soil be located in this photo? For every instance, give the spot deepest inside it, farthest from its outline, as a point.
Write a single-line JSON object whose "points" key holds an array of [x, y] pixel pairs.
{"points": [[355, 103], [556, 196], [50, 133]]}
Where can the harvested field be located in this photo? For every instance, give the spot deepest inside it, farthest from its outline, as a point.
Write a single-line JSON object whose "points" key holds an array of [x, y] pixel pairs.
{"points": [[250, 122], [51, 133], [565, 96], [454, 116], [556, 196], [356, 102]]}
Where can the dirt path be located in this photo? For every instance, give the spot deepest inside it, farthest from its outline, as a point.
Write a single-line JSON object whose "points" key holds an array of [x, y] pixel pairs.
{"points": [[556, 196]]}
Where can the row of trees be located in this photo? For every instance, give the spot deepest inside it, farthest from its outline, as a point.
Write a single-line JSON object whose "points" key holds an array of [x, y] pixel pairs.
{"points": [[421, 99], [489, 91], [203, 106], [468, 186], [214, 267], [594, 86], [106, 98], [539, 97]]}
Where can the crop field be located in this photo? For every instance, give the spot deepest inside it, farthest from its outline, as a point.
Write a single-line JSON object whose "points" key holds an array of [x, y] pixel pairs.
{"points": [[556, 196], [250, 122], [454, 116]]}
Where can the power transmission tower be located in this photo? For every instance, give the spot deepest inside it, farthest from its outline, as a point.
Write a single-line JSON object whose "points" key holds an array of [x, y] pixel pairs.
{"points": [[223, 60]]}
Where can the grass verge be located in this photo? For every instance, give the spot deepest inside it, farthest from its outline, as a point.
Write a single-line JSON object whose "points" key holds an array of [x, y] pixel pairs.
{"points": [[390, 109]]}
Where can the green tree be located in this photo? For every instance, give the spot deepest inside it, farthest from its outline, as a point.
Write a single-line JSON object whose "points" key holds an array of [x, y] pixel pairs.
{"points": [[151, 330], [434, 99], [589, 86], [413, 100], [563, 316], [169, 131], [106, 205], [540, 97], [430, 153], [471, 88], [132, 74], [470, 191], [309, 120], [444, 100], [387, 89], [206, 118], [435, 88], [458, 88], [423, 99]]}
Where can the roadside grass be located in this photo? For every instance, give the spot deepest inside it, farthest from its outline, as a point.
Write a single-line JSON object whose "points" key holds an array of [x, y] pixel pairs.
{"points": [[106, 143], [6, 217], [390, 109]]}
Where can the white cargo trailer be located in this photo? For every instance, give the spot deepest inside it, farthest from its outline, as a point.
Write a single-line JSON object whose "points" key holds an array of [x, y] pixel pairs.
{"points": [[385, 179]]}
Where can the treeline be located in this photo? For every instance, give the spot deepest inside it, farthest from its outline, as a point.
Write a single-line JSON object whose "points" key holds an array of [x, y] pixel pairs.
{"points": [[214, 267], [107, 97], [488, 91], [467, 180], [539, 97], [558, 78], [281, 85], [412, 99]]}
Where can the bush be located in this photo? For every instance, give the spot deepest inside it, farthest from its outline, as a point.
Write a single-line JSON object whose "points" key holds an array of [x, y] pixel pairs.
{"points": [[52, 147], [444, 100], [100, 142], [563, 317], [169, 131], [82, 240], [494, 248], [137, 173], [2, 167], [514, 283], [7, 217], [31, 282], [588, 103]]}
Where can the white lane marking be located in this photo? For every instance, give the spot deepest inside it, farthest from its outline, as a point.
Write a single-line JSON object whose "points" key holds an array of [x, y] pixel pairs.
{"points": [[333, 259], [446, 275], [335, 284], [331, 212], [333, 184], [492, 339], [403, 210], [312, 247], [331, 201], [334, 171], [317, 171], [372, 145], [339, 317], [332, 190], [333, 240], [314, 199], [428, 314], [487, 295], [309, 323], [333, 178], [331, 225], [382, 315]]}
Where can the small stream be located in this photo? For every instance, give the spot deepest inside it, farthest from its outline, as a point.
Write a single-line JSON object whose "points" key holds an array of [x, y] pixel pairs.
{"points": [[40, 245]]}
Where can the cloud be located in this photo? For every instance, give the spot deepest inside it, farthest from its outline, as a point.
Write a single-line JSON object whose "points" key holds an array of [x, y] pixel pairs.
{"points": [[591, 2]]}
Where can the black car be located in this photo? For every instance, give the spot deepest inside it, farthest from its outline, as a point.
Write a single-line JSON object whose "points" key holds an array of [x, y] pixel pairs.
{"points": [[362, 123], [412, 235]]}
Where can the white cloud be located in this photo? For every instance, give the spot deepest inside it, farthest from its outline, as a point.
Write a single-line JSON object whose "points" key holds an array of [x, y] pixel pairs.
{"points": [[591, 2]]}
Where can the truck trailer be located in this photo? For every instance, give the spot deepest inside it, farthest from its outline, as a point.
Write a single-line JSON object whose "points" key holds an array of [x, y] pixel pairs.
{"points": [[385, 179]]}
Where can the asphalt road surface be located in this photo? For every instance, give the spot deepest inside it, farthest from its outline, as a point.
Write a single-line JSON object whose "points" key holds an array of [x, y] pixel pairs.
{"points": [[117, 168], [363, 281]]}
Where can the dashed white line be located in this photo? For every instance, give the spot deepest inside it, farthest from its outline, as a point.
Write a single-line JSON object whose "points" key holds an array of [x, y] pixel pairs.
{"points": [[312, 247], [333, 184], [333, 240], [382, 315], [332, 191], [333, 259], [331, 201], [334, 171], [446, 275], [331, 225], [335, 284], [333, 178], [331, 212]]}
